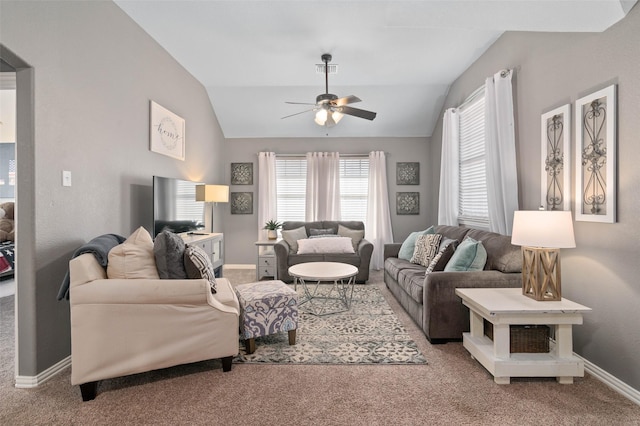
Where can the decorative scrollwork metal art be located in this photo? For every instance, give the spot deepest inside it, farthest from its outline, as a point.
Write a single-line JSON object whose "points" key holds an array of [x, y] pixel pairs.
{"points": [[554, 163], [594, 158]]}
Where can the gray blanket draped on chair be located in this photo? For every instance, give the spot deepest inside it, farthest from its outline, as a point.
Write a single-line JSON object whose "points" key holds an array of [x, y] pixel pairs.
{"points": [[99, 247]]}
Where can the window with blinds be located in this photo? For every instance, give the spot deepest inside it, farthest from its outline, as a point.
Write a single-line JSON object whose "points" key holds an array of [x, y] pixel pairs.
{"points": [[474, 210], [291, 181], [354, 188]]}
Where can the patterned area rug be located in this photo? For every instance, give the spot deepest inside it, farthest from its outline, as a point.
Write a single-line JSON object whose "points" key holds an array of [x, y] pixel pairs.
{"points": [[368, 333]]}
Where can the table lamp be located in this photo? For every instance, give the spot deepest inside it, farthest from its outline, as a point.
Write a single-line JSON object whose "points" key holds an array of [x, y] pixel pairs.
{"points": [[542, 234], [212, 194]]}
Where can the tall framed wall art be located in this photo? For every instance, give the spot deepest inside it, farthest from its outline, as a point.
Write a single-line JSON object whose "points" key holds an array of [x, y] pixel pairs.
{"points": [[556, 161], [595, 119]]}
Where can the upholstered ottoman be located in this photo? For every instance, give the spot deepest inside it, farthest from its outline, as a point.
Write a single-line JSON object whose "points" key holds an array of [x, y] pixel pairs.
{"points": [[267, 307]]}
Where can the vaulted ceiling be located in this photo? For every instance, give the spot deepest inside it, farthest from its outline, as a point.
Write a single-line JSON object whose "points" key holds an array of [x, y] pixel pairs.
{"points": [[399, 57]]}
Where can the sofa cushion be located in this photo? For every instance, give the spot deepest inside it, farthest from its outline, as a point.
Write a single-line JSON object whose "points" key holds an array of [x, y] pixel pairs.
{"points": [[351, 259], [356, 235], [426, 249], [469, 256], [412, 281], [198, 265], [133, 259], [294, 259], [325, 245], [445, 251], [409, 244], [292, 236], [168, 249]]}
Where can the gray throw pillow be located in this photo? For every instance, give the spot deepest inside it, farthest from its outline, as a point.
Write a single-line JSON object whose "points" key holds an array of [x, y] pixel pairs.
{"points": [[355, 235], [168, 250], [291, 236], [446, 250], [314, 232]]}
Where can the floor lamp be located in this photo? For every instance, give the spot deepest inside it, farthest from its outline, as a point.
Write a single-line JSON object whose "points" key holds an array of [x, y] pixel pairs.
{"points": [[542, 234], [212, 194]]}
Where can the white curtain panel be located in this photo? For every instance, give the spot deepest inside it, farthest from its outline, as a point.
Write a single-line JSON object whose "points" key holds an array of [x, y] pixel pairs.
{"points": [[502, 177], [323, 186], [449, 169], [378, 230], [267, 191]]}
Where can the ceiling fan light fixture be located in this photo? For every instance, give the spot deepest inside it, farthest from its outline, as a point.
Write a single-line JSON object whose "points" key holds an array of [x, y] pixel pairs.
{"points": [[321, 117]]}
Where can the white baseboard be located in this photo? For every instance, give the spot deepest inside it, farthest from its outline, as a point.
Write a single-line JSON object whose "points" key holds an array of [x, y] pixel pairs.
{"points": [[611, 381], [239, 266], [26, 382]]}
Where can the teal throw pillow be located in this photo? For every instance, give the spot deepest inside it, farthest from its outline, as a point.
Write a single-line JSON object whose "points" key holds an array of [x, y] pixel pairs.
{"points": [[469, 256], [409, 245]]}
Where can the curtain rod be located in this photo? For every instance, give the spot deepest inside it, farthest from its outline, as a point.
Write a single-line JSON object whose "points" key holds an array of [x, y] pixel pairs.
{"points": [[305, 154], [480, 90]]}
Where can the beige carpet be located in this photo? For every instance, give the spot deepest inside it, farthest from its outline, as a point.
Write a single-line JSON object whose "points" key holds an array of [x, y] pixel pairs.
{"points": [[451, 389]]}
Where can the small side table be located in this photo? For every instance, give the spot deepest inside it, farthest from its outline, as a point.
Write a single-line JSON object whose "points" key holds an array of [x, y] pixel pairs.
{"points": [[506, 306], [266, 260]]}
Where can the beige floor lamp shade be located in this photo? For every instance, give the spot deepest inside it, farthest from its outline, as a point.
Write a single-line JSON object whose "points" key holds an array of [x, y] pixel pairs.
{"points": [[542, 234], [212, 194]]}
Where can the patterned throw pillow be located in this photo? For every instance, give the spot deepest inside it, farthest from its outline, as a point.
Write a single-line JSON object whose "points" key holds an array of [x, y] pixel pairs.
{"points": [[446, 250], [409, 245], [426, 249], [314, 232], [198, 265]]}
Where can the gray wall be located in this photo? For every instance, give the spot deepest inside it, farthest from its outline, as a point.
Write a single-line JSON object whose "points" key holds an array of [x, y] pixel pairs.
{"points": [[94, 72], [602, 272], [244, 228]]}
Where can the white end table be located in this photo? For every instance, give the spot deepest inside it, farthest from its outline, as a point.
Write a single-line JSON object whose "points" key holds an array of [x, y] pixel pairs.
{"points": [[266, 260], [342, 276], [506, 306]]}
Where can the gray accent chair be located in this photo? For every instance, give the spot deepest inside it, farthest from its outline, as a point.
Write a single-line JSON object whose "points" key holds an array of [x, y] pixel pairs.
{"points": [[431, 300], [361, 259]]}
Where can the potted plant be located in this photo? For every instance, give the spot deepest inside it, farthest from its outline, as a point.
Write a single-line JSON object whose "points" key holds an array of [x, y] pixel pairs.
{"points": [[272, 227]]}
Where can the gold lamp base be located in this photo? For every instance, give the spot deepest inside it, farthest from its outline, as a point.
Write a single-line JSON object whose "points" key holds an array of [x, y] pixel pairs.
{"points": [[541, 273]]}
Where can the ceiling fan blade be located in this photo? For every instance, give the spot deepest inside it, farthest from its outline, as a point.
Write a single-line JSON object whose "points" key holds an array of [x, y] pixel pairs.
{"points": [[369, 115], [298, 113], [346, 100], [298, 103]]}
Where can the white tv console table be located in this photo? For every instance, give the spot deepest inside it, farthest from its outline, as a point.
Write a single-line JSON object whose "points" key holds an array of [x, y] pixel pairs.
{"points": [[212, 244], [506, 306]]}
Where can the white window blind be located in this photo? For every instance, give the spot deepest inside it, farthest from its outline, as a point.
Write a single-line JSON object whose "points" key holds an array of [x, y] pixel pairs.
{"points": [[187, 208], [474, 210], [291, 178], [354, 188], [291, 181]]}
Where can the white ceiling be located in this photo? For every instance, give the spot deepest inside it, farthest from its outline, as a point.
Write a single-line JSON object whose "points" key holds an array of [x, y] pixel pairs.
{"points": [[399, 57]]}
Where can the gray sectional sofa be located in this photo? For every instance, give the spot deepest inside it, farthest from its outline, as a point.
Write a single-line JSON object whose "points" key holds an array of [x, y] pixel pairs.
{"points": [[286, 257], [431, 301]]}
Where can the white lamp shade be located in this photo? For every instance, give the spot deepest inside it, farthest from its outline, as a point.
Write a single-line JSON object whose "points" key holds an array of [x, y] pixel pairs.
{"points": [[212, 193], [541, 228]]}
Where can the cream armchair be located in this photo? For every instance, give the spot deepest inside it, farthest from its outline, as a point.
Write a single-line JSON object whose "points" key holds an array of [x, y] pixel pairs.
{"points": [[121, 327]]}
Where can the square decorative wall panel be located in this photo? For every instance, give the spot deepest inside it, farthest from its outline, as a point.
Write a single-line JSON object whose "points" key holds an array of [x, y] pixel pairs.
{"points": [[241, 173], [241, 202], [407, 203], [407, 173]]}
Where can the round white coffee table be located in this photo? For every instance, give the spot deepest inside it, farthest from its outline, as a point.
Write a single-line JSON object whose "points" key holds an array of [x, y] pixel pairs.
{"points": [[342, 276]]}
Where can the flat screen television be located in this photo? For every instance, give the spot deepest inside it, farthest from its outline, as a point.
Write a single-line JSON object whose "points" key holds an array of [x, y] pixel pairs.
{"points": [[175, 207]]}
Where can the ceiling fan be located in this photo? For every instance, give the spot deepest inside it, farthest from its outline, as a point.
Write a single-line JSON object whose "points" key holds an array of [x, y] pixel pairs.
{"points": [[329, 108]]}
